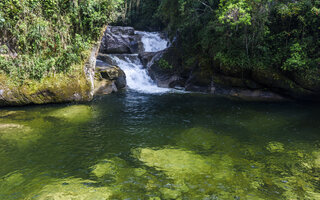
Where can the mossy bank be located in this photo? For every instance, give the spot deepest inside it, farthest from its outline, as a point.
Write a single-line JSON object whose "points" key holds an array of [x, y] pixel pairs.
{"points": [[48, 49]]}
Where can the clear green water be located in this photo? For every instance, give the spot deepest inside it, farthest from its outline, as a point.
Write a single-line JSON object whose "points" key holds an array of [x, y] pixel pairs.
{"points": [[170, 146]]}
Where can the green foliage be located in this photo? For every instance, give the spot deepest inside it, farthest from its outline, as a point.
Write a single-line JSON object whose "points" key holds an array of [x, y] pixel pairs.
{"points": [[164, 64], [142, 14], [49, 36], [235, 12], [297, 59], [251, 34]]}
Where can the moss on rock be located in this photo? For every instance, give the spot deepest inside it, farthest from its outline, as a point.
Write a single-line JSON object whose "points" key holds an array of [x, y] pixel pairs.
{"points": [[71, 189], [174, 162]]}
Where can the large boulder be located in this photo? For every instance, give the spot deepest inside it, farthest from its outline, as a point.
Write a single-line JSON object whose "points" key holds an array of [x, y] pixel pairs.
{"points": [[108, 79], [146, 57], [164, 68], [77, 86], [119, 40]]}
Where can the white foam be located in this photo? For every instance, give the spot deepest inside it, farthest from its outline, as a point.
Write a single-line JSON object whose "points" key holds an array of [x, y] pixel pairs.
{"points": [[137, 77], [152, 41]]}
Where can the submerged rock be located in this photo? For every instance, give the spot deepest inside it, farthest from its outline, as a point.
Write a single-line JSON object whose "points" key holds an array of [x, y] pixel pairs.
{"points": [[274, 147], [174, 162], [202, 139], [17, 133], [9, 182], [170, 194], [73, 113], [71, 189], [7, 113], [316, 154], [107, 167]]}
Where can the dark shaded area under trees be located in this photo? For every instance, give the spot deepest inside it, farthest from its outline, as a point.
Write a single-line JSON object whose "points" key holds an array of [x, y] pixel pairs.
{"points": [[239, 37]]}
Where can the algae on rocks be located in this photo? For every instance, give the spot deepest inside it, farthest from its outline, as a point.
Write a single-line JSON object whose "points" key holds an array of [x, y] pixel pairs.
{"points": [[73, 113]]}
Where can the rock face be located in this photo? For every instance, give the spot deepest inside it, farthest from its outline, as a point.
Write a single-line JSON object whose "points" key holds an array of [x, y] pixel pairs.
{"points": [[119, 40], [108, 79], [59, 88], [78, 86], [164, 73]]}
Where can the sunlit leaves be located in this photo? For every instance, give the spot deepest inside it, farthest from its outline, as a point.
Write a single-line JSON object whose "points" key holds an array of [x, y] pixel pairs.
{"points": [[297, 59], [235, 12]]}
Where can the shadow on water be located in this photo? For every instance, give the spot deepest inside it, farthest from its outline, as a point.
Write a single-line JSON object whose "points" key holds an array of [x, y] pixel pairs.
{"points": [[163, 146]]}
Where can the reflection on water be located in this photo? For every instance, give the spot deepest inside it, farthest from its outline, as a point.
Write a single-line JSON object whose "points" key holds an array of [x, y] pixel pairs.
{"points": [[169, 146]]}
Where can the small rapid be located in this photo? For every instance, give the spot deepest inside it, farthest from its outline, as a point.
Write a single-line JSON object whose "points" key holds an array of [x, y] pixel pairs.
{"points": [[136, 75], [152, 41]]}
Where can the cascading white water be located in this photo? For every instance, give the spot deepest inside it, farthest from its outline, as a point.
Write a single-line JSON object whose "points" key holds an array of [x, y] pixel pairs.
{"points": [[152, 41], [137, 77]]}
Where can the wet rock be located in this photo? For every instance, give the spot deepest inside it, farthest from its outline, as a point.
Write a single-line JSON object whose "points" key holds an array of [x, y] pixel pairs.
{"points": [[163, 72], [198, 81], [146, 57], [109, 79], [254, 95], [118, 40], [104, 87]]}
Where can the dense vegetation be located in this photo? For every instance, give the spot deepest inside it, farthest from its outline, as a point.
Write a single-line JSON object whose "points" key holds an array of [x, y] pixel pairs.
{"points": [[241, 34], [39, 37]]}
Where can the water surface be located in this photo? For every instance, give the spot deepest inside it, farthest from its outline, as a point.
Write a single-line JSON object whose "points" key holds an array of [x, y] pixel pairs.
{"points": [[160, 146]]}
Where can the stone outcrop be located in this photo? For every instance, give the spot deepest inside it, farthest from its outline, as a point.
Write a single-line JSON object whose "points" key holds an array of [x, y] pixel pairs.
{"points": [[119, 40], [78, 86], [163, 68], [108, 79]]}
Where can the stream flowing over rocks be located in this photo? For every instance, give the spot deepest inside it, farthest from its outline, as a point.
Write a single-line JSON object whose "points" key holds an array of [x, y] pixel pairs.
{"points": [[134, 51], [123, 47], [148, 62], [152, 64]]}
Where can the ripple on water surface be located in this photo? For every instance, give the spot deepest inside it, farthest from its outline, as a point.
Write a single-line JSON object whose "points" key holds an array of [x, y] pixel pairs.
{"points": [[169, 146]]}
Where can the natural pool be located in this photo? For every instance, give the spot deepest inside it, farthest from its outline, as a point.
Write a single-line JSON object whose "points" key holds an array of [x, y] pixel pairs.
{"points": [[170, 146]]}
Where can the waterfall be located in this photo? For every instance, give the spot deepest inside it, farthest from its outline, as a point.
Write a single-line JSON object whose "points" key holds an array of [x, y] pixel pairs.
{"points": [[137, 77], [152, 41]]}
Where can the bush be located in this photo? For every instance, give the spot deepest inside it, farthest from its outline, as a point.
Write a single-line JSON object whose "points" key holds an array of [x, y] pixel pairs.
{"points": [[49, 36]]}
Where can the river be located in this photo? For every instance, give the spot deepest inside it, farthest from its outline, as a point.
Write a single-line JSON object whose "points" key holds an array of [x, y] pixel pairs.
{"points": [[157, 144]]}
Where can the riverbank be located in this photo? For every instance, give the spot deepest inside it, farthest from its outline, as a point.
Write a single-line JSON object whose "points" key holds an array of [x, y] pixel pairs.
{"points": [[48, 49]]}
